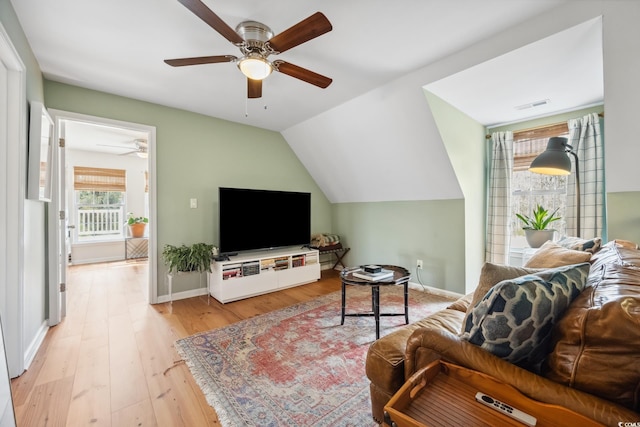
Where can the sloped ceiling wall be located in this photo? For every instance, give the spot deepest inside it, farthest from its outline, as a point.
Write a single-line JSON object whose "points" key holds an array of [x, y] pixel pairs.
{"points": [[385, 145]]}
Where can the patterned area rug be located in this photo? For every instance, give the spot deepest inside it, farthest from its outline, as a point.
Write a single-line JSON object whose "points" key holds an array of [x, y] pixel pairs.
{"points": [[298, 366]]}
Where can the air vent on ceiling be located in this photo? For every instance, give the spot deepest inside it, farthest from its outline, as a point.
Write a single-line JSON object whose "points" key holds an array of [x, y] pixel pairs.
{"points": [[532, 104]]}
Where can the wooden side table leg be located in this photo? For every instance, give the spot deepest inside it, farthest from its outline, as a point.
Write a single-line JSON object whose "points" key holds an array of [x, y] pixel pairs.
{"points": [[344, 300]]}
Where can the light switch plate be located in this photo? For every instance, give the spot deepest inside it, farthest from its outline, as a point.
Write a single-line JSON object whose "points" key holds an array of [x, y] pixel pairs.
{"points": [[194, 203]]}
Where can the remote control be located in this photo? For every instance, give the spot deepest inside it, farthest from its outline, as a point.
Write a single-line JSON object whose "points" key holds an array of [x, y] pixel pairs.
{"points": [[516, 414]]}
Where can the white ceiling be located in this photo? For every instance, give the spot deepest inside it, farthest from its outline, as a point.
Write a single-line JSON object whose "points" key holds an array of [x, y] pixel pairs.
{"points": [[118, 46], [87, 136]]}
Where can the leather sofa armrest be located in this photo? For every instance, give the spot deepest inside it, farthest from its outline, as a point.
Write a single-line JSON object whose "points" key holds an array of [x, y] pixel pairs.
{"points": [[424, 344]]}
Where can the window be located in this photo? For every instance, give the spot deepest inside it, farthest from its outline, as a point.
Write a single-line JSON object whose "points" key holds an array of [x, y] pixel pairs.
{"points": [[531, 189], [99, 201]]}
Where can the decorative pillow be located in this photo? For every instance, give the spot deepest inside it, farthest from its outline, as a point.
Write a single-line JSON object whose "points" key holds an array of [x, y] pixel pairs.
{"points": [[514, 320], [492, 274], [552, 255], [578, 244]]}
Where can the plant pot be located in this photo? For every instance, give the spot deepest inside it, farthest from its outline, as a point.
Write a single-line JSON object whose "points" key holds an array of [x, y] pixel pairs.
{"points": [[137, 229], [537, 238]]}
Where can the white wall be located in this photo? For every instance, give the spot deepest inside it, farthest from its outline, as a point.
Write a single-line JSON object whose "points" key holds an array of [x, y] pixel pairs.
{"points": [[394, 120], [91, 252]]}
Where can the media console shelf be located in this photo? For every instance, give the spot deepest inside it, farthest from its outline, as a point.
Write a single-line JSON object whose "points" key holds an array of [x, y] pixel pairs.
{"points": [[256, 273]]}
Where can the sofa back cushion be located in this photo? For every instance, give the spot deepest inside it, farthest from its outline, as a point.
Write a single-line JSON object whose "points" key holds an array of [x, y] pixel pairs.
{"points": [[619, 252], [596, 345]]}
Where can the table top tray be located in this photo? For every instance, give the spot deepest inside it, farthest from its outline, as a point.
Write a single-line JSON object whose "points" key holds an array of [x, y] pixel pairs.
{"points": [[443, 394]]}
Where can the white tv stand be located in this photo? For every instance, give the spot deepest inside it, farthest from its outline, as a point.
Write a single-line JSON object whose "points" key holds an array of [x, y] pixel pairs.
{"points": [[256, 273]]}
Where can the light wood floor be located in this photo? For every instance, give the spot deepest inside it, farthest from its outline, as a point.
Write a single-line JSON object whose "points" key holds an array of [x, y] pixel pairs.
{"points": [[112, 362]]}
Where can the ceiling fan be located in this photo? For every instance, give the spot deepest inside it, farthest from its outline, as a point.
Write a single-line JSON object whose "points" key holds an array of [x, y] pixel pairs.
{"points": [[257, 42], [140, 148]]}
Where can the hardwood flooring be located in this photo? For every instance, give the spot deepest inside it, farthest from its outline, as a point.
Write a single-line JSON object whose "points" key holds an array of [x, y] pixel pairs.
{"points": [[111, 362]]}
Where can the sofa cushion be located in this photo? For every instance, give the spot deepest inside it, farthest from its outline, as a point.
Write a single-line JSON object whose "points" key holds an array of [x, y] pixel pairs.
{"points": [[514, 320], [618, 252], [462, 303], [578, 244], [553, 255], [596, 345]]}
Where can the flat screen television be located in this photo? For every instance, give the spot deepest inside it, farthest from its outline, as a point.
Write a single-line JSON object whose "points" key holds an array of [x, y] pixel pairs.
{"points": [[262, 219]]}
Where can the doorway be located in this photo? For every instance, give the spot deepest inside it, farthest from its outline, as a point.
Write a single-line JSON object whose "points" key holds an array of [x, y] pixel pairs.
{"points": [[99, 144]]}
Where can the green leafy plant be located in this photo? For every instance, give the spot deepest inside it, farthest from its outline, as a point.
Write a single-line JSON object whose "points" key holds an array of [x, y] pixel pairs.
{"points": [[541, 218], [132, 219], [196, 257]]}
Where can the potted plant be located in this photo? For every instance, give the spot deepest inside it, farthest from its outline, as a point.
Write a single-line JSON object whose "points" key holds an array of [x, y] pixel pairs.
{"points": [[196, 257], [535, 227], [137, 224]]}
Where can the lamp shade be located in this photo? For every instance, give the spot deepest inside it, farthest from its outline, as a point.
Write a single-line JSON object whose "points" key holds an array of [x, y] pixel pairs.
{"points": [[554, 160]]}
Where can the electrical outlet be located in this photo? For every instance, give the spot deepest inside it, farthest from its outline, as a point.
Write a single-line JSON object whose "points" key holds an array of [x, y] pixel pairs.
{"points": [[419, 264]]}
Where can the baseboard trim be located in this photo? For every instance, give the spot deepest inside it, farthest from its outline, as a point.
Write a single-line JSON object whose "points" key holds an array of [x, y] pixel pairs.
{"points": [[182, 295], [437, 291], [35, 344]]}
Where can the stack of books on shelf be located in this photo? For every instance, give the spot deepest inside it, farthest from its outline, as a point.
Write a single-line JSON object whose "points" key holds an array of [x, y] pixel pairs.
{"points": [[373, 273]]}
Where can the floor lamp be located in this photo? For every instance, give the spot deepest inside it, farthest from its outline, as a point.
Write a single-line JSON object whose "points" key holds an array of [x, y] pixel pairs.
{"points": [[555, 161]]}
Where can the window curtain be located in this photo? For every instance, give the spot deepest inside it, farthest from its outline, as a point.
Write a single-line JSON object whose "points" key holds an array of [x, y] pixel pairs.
{"points": [[499, 197], [586, 140]]}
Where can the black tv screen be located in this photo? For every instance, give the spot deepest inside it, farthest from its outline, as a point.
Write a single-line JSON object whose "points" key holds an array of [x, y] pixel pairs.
{"points": [[262, 219]]}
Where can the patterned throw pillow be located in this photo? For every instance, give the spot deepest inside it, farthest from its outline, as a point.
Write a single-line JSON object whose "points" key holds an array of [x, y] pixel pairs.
{"points": [[578, 244], [515, 318]]}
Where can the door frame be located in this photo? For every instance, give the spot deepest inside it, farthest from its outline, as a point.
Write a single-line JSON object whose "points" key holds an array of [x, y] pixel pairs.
{"points": [[13, 143], [55, 224]]}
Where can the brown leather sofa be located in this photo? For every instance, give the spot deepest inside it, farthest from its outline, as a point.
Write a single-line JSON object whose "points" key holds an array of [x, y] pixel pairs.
{"points": [[594, 364]]}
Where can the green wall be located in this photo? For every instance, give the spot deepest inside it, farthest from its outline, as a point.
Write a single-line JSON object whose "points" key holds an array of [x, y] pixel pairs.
{"points": [[400, 233], [462, 137], [196, 154], [623, 216]]}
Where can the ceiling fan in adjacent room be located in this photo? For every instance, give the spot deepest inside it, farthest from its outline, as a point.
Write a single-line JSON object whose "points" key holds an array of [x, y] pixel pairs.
{"points": [[139, 148], [257, 42]]}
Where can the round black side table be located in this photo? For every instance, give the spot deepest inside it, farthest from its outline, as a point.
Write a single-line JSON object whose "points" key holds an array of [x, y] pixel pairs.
{"points": [[400, 277]]}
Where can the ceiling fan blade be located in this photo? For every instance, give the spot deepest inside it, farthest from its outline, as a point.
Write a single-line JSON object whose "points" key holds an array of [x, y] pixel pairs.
{"points": [[303, 74], [305, 30], [128, 152], [179, 62], [254, 88], [213, 20]]}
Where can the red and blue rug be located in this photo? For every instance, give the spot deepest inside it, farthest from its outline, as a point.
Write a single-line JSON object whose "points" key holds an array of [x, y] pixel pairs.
{"points": [[298, 366]]}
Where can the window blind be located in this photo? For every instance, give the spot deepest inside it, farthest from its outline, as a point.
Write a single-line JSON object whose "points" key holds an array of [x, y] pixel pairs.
{"points": [[528, 143], [99, 179]]}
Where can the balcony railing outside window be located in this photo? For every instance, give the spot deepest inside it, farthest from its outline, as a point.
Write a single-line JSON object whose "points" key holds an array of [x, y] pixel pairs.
{"points": [[100, 222]]}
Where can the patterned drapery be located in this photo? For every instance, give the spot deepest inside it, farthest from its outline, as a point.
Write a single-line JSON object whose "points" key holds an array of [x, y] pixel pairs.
{"points": [[585, 137], [499, 197]]}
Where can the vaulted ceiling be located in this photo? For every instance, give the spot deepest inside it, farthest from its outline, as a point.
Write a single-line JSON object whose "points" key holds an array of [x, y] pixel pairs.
{"points": [[375, 49]]}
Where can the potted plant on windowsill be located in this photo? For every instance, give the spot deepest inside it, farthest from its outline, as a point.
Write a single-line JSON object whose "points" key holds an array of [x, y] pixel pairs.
{"points": [[535, 227], [137, 224]]}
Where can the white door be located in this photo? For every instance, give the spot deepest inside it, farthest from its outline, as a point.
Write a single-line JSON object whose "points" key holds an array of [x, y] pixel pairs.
{"points": [[58, 234]]}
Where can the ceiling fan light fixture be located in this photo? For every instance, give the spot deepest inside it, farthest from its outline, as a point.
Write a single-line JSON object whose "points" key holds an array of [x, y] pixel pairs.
{"points": [[254, 66]]}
